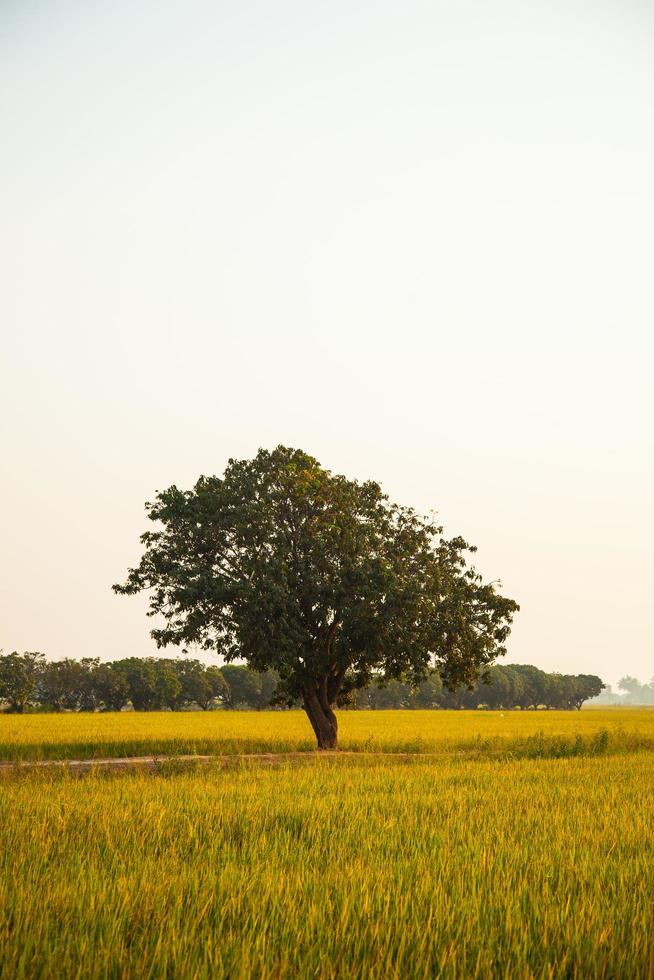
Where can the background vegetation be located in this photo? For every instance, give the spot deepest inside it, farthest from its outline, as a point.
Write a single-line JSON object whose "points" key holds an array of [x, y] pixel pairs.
{"points": [[630, 691], [28, 681]]}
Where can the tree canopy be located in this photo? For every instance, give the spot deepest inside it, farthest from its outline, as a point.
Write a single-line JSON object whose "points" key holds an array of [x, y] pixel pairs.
{"points": [[286, 566], [19, 673]]}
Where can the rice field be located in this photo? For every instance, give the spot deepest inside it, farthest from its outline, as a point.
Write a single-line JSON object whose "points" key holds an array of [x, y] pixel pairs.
{"points": [[526, 733], [454, 864], [531, 868]]}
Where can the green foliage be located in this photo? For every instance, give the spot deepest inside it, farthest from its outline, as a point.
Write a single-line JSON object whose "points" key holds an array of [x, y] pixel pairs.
{"points": [[140, 676], [286, 566], [152, 683], [526, 687], [19, 674], [155, 683], [428, 694], [61, 684], [586, 686], [217, 686], [196, 684], [108, 689], [243, 686]]}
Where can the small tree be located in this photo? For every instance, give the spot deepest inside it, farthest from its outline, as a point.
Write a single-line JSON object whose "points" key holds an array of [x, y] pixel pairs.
{"points": [[286, 566], [635, 692], [19, 676]]}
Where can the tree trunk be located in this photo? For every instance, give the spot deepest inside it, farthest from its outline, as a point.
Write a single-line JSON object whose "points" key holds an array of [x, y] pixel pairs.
{"points": [[319, 705]]}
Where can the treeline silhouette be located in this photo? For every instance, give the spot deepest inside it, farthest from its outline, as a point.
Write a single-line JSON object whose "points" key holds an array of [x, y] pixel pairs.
{"points": [[29, 682], [630, 691]]}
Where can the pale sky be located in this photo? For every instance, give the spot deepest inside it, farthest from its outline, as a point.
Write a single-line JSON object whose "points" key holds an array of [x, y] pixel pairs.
{"points": [[414, 239]]}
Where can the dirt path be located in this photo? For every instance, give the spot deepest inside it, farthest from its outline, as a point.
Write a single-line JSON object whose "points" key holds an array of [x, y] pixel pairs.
{"points": [[155, 762]]}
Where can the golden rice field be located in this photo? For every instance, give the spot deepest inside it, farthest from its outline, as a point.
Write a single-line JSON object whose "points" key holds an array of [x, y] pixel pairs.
{"points": [[469, 863], [531, 733]]}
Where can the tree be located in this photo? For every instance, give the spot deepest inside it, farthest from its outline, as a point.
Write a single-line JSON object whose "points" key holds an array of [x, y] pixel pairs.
{"points": [[140, 678], [635, 692], [195, 686], [500, 691], [88, 696], [152, 682], [243, 686], [167, 685], [557, 690], [532, 687], [390, 695], [586, 686], [60, 684], [269, 686], [218, 688], [110, 687], [19, 675], [288, 567], [631, 686], [428, 694]]}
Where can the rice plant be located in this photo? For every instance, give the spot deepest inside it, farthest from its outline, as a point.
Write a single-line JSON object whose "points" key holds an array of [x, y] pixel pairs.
{"points": [[477, 733], [351, 867]]}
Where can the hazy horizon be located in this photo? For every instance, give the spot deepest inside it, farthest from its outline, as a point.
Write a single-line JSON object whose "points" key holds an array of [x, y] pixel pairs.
{"points": [[415, 241]]}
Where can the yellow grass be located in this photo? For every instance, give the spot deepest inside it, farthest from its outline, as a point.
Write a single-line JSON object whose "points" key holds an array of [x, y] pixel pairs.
{"points": [[528, 733], [516, 846], [345, 868]]}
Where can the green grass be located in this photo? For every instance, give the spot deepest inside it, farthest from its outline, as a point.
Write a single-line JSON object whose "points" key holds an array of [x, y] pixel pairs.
{"points": [[480, 733], [533, 868]]}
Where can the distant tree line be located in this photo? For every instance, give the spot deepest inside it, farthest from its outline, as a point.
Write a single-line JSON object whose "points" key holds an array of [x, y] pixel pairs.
{"points": [[630, 691], [502, 686], [29, 681]]}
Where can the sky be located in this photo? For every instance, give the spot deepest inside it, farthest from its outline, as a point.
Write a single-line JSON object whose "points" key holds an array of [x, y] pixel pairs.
{"points": [[415, 240]]}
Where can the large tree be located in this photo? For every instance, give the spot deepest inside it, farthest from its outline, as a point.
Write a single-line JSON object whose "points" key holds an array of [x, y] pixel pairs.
{"points": [[284, 565]]}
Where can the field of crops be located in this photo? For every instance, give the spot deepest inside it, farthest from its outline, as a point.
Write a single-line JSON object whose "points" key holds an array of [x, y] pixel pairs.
{"points": [[530, 733], [467, 864]]}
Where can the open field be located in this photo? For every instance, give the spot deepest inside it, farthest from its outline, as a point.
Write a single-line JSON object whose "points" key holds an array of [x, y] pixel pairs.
{"points": [[513, 845], [524, 868], [485, 733]]}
